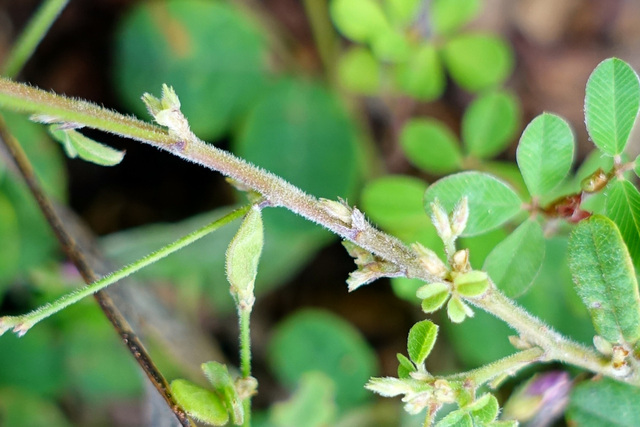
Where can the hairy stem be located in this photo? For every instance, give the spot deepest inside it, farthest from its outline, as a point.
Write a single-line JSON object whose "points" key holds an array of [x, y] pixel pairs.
{"points": [[278, 192], [33, 33], [21, 324], [245, 358], [505, 366]]}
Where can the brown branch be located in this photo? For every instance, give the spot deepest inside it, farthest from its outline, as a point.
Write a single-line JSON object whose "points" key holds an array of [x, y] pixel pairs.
{"points": [[73, 252]]}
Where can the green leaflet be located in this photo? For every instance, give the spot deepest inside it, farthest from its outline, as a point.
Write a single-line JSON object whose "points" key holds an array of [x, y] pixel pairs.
{"points": [[605, 279], [515, 262], [491, 202], [623, 207], [359, 71], [611, 105], [219, 377], [431, 146], [312, 404], [77, 145], [201, 404], [604, 403], [478, 61], [421, 76], [359, 20], [545, 153], [243, 256], [422, 337], [447, 16], [489, 124]]}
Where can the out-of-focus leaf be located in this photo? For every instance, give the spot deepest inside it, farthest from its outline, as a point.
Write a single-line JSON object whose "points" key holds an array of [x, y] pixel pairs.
{"points": [[514, 263], [491, 202], [478, 61], [489, 124], [10, 238], [201, 404], [623, 207], [78, 145], [301, 132], [431, 146], [545, 153], [604, 402], [422, 337], [447, 16], [605, 279], [611, 105], [313, 340], [359, 20], [391, 46], [402, 12], [19, 408], [312, 404], [359, 71], [421, 76], [210, 52]]}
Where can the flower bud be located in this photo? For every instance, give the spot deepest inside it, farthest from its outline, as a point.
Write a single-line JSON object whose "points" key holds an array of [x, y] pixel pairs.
{"points": [[337, 210], [440, 221], [459, 217], [431, 262]]}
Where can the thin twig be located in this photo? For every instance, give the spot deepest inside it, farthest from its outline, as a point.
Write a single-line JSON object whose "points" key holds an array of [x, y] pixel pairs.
{"points": [[68, 244]]}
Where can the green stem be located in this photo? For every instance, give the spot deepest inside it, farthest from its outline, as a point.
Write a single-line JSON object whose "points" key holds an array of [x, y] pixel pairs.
{"points": [[21, 324], [278, 192], [245, 357], [508, 365], [317, 12], [33, 33]]}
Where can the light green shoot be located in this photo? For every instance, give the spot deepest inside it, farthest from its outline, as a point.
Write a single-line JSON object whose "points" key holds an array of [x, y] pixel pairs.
{"points": [[21, 324]]}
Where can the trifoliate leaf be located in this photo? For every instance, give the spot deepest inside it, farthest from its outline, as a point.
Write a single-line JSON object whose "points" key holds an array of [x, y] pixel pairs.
{"points": [[77, 145], [201, 404], [611, 105], [422, 337]]}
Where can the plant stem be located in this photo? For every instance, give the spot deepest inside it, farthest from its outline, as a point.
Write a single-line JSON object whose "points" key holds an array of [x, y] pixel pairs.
{"points": [[278, 192], [31, 36], [21, 324], [317, 12], [245, 357], [508, 365]]}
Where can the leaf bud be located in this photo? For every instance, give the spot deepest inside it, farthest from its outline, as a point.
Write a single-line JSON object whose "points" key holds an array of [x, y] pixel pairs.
{"points": [[460, 261], [337, 210], [431, 262], [603, 346], [440, 221], [594, 182], [459, 217], [472, 284]]}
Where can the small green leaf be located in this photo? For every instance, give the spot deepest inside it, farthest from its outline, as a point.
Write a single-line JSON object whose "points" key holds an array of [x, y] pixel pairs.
{"points": [[201, 404], [359, 20], [459, 418], [77, 145], [491, 202], [515, 262], [611, 105], [359, 71], [457, 310], [447, 16], [422, 337], [421, 76], [623, 207], [312, 404], [434, 302], [405, 366], [545, 153], [486, 408], [478, 61], [604, 402], [402, 12], [489, 123], [243, 256], [471, 284], [219, 377], [605, 279], [431, 146], [391, 46]]}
